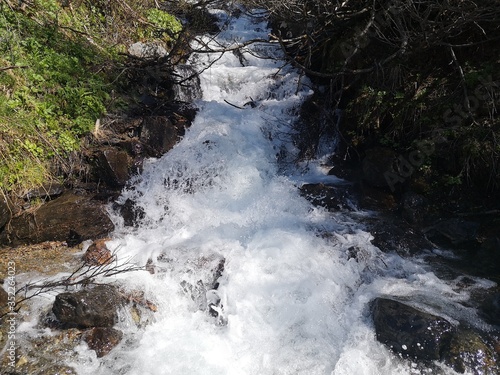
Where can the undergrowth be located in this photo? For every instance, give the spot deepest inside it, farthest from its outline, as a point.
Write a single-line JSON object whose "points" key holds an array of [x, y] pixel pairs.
{"points": [[59, 64]]}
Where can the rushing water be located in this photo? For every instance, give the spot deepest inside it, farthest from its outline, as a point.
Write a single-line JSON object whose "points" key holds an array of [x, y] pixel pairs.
{"points": [[291, 299]]}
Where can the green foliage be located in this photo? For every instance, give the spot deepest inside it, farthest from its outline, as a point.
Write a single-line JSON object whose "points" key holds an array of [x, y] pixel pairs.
{"points": [[165, 24], [58, 64]]}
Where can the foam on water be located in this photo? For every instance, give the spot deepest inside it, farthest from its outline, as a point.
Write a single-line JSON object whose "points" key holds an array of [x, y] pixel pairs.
{"points": [[293, 301]]}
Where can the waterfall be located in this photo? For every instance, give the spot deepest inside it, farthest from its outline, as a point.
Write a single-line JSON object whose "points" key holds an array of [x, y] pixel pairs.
{"points": [[249, 277]]}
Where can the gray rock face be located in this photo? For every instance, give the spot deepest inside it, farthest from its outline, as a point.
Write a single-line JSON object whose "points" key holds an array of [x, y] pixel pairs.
{"points": [[147, 50], [96, 307], [410, 332]]}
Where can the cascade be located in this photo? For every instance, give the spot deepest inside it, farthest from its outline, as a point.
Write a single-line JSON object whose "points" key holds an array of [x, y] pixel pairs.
{"points": [[248, 277]]}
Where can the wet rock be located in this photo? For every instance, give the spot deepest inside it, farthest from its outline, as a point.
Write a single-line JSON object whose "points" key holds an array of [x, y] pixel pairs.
{"points": [[200, 276], [330, 197], [454, 232], [377, 199], [378, 165], [47, 191], [158, 135], [410, 332], [113, 165], [488, 258], [413, 207], [98, 254], [102, 339], [188, 89], [5, 212], [55, 220], [130, 212], [469, 352], [490, 309], [96, 307]]}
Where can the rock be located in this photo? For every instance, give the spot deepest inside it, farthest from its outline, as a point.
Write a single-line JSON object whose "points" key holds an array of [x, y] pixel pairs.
{"points": [[377, 199], [189, 89], [113, 166], [70, 215], [413, 207], [47, 191], [490, 309], [102, 340], [468, 352], [158, 135], [96, 307], [488, 258], [5, 212], [454, 232], [147, 50], [410, 332], [4, 298], [98, 254], [130, 212], [378, 165], [330, 197]]}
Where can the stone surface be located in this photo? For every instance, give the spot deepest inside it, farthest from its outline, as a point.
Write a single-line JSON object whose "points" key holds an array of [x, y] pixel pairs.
{"points": [[98, 254], [113, 165], [96, 307], [5, 212], [146, 50], [56, 220], [47, 191], [158, 135], [454, 232], [130, 212], [410, 332], [102, 340], [469, 352], [332, 198], [413, 207]]}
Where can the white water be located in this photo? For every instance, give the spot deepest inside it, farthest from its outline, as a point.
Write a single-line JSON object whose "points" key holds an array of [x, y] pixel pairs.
{"points": [[293, 302]]}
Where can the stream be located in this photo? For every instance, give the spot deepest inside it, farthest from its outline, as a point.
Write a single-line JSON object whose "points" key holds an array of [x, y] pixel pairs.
{"points": [[249, 277]]}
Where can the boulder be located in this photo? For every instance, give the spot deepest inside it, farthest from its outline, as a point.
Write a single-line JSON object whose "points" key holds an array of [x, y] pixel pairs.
{"points": [[469, 352], [411, 332], [47, 191], [113, 166], [102, 339], [96, 307], [158, 135], [147, 50], [70, 215], [98, 254], [454, 232]]}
